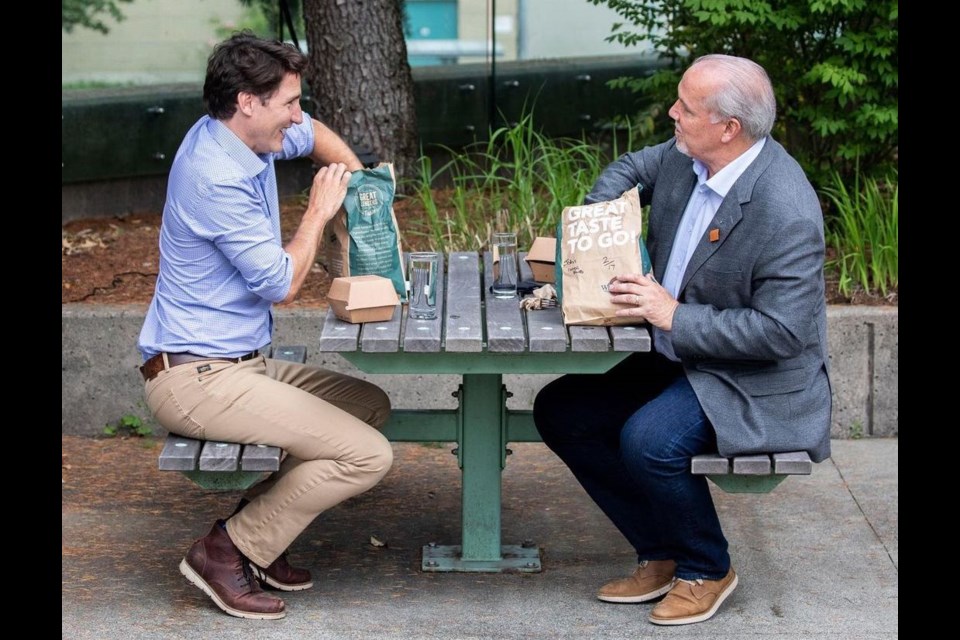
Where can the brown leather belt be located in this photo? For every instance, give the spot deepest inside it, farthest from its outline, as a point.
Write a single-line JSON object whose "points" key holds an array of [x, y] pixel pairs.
{"points": [[156, 364]]}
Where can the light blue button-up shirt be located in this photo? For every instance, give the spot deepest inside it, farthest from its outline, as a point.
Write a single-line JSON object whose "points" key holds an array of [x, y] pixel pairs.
{"points": [[701, 208], [222, 264]]}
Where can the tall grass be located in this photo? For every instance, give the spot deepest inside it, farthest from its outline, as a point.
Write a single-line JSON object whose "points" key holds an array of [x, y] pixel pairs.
{"points": [[862, 227], [518, 180], [521, 180]]}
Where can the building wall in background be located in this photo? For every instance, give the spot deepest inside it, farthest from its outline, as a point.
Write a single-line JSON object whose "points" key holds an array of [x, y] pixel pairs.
{"points": [[165, 41], [160, 41], [577, 28], [473, 25]]}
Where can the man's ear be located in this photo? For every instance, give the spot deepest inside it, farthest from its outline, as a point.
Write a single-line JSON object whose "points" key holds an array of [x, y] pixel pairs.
{"points": [[731, 129], [245, 102]]}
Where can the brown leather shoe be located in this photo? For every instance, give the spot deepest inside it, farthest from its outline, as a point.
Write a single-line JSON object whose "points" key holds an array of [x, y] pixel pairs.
{"points": [[693, 600], [216, 566], [282, 575], [650, 580]]}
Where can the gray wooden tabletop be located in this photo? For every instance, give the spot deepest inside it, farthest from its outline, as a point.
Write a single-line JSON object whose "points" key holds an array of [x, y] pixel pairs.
{"points": [[470, 321]]}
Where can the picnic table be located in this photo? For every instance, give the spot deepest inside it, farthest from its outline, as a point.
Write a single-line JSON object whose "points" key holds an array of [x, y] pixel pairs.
{"points": [[480, 338]]}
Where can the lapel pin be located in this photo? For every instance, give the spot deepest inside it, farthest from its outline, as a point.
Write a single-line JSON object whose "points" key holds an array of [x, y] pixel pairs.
{"points": [[714, 235]]}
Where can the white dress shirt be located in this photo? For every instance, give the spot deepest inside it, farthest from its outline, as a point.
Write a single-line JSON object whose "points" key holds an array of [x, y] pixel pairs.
{"points": [[704, 202]]}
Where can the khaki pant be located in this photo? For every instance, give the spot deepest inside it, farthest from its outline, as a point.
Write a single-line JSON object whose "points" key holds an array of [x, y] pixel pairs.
{"points": [[324, 421]]}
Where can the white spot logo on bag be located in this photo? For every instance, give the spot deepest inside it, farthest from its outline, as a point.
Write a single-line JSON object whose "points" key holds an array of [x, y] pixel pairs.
{"points": [[597, 224], [370, 200]]}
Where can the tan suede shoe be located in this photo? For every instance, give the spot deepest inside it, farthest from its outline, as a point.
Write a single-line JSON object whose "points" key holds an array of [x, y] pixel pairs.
{"points": [[692, 601], [650, 580]]}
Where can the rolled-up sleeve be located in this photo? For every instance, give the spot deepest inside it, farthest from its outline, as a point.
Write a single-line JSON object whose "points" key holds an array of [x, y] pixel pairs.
{"points": [[237, 225]]}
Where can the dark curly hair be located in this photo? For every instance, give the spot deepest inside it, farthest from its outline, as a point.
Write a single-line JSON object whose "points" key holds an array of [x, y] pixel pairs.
{"points": [[245, 62]]}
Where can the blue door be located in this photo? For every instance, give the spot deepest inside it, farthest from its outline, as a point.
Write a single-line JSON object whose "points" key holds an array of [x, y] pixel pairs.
{"points": [[430, 28]]}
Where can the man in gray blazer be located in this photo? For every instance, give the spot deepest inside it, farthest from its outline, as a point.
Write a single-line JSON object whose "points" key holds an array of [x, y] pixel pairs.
{"points": [[739, 331]]}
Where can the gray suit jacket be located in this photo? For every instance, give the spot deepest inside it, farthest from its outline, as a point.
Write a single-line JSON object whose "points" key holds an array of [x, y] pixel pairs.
{"points": [[751, 331]]}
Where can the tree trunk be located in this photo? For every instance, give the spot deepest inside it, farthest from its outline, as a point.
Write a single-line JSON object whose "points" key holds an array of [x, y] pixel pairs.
{"points": [[360, 78]]}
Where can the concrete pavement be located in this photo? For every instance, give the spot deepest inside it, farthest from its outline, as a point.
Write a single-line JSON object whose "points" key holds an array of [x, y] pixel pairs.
{"points": [[817, 557]]}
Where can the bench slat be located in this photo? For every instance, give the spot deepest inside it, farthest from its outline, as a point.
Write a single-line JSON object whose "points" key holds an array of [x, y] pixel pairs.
{"points": [[179, 453], [219, 456], [709, 464], [260, 457], [793, 463], [756, 465]]}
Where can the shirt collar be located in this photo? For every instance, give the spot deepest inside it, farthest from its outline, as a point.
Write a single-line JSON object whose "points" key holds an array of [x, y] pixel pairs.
{"points": [[249, 161], [722, 182]]}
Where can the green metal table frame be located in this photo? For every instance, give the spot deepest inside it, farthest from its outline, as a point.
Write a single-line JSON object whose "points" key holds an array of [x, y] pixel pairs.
{"points": [[481, 425]]}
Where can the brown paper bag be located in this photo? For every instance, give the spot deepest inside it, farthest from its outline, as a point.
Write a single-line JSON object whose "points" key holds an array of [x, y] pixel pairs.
{"points": [[596, 242]]}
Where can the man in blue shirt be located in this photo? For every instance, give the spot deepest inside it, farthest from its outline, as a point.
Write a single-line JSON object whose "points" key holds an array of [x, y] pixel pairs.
{"points": [[222, 267]]}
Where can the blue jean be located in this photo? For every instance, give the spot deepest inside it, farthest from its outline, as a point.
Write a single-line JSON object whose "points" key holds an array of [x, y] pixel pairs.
{"points": [[628, 436]]}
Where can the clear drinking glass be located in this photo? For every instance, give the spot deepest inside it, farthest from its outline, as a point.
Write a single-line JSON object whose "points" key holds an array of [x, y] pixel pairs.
{"points": [[505, 266], [422, 271]]}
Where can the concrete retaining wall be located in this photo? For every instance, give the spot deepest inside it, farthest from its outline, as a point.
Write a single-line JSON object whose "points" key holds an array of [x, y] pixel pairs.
{"points": [[100, 382]]}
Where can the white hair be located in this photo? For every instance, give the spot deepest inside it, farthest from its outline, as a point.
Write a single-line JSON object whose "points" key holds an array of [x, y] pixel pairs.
{"points": [[745, 94]]}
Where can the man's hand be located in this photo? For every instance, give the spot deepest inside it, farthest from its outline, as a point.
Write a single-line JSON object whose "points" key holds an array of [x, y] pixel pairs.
{"points": [[644, 298], [327, 192], [326, 195]]}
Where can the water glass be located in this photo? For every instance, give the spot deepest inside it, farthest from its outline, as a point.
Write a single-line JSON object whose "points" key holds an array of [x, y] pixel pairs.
{"points": [[422, 272], [505, 265]]}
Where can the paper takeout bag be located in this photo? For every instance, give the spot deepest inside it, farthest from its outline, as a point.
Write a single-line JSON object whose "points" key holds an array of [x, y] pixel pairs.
{"points": [[596, 242], [364, 237]]}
